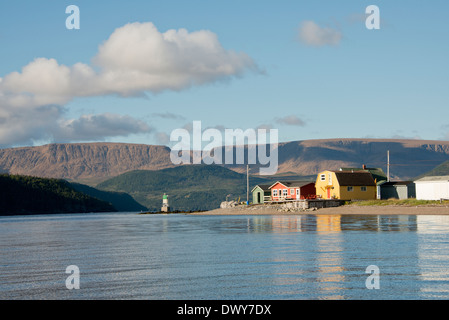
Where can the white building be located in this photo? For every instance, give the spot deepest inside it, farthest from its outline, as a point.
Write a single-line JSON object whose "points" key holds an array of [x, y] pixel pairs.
{"points": [[432, 188]]}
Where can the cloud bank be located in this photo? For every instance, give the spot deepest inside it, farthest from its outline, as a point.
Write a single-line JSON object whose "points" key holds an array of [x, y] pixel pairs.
{"points": [[291, 120], [134, 60], [311, 34]]}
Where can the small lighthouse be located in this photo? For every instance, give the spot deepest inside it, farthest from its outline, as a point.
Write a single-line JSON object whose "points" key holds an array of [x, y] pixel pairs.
{"points": [[165, 206]]}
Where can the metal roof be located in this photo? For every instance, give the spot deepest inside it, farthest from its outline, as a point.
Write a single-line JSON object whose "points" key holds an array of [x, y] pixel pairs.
{"points": [[346, 178], [394, 183], [293, 184], [264, 187], [433, 178], [377, 173]]}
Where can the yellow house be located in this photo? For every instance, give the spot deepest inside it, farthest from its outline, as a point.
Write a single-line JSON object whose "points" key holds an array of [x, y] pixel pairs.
{"points": [[344, 185]]}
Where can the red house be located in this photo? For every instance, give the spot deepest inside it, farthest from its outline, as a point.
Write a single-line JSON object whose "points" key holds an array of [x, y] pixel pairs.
{"points": [[292, 190]]}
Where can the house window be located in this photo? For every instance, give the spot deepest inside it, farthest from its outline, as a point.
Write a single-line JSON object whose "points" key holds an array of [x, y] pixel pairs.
{"points": [[323, 177], [285, 192], [350, 189], [362, 188], [292, 191], [275, 192]]}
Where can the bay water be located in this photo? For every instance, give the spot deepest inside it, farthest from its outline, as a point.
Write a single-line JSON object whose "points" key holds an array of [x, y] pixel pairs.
{"points": [[195, 257]]}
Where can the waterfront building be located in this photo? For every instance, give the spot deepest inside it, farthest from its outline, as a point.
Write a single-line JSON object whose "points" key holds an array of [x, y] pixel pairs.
{"points": [[292, 190], [432, 188], [346, 185]]}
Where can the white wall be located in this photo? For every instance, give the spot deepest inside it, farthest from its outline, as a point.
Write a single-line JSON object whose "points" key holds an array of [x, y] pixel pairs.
{"points": [[432, 190]]}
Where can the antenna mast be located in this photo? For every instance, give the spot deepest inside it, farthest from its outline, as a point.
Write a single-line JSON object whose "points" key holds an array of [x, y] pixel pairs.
{"points": [[388, 166], [247, 184]]}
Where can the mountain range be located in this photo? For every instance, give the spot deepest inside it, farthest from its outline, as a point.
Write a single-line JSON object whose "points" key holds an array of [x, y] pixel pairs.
{"points": [[189, 187], [93, 163], [88, 163]]}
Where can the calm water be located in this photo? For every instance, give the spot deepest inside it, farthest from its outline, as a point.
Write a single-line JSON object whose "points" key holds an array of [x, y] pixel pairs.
{"points": [[130, 256]]}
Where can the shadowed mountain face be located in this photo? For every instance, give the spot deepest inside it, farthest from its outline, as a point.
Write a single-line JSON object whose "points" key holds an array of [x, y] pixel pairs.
{"points": [[441, 170], [408, 158], [83, 161], [95, 162]]}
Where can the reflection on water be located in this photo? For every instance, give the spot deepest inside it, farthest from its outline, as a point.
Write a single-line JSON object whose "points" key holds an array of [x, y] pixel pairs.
{"points": [[129, 256], [330, 223], [433, 232], [329, 258]]}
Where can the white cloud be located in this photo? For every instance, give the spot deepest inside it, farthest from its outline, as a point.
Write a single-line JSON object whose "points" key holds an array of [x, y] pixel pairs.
{"points": [[291, 121], [25, 126], [97, 127], [168, 115], [153, 61], [30, 124], [44, 81], [265, 126], [162, 138], [135, 59], [312, 34]]}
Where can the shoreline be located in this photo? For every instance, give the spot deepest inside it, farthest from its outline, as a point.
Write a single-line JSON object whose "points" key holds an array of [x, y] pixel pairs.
{"points": [[341, 210]]}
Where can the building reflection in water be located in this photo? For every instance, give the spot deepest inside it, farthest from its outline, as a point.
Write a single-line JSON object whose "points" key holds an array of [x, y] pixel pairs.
{"points": [[328, 223], [329, 258], [433, 235], [280, 224], [327, 255], [316, 263], [331, 223], [335, 269]]}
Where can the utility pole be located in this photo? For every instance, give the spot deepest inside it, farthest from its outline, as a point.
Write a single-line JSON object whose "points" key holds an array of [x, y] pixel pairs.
{"points": [[388, 166], [247, 184]]}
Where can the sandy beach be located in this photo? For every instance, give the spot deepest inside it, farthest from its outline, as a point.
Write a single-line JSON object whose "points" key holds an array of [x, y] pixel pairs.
{"points": [[346, 209]]}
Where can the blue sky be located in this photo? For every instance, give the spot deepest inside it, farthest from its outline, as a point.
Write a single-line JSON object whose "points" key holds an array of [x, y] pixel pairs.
{"points": [[357, 83]]}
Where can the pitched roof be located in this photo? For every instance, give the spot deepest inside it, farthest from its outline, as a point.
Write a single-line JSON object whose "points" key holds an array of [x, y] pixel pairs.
{"points": [[293, 183], [434, 178], [394, 183], [354, 178], [377, 173], [264, 187]]}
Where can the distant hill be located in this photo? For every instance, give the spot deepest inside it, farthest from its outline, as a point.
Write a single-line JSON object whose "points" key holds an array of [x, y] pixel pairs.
{"points": [[32, 195], [83, 162], [440, 170], [408, 158], [92, 163], [190, 187], [119, 200]]}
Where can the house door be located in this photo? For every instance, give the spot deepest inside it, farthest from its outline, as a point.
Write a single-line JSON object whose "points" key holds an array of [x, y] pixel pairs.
{"points": [[258, 197], [328, 193]]}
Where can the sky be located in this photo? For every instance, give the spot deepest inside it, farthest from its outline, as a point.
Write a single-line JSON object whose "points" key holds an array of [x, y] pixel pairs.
{"points": [[135, 71]]}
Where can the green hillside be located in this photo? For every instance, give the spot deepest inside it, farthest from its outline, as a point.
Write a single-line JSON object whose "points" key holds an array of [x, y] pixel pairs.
{"points": [[440, 170], [120, 200], [190, 187], [32, 195]]}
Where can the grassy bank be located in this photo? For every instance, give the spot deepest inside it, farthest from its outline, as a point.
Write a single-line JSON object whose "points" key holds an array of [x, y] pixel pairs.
{"points": [[397, 202]]}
